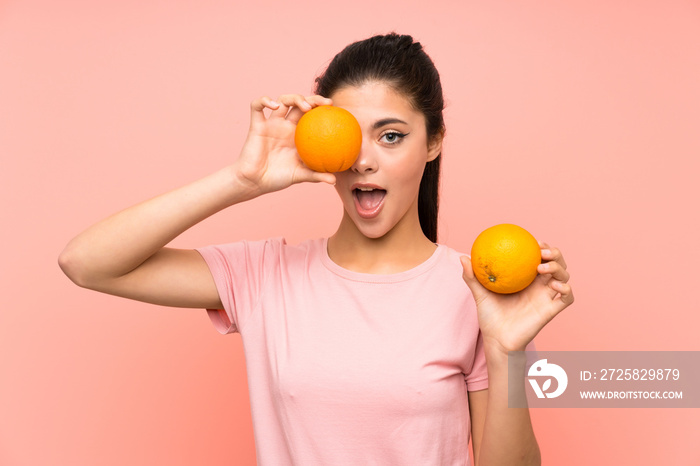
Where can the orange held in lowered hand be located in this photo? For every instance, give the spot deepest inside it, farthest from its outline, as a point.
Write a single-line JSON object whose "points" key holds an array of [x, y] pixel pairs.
{"points": [[505, 258], [328, 139]]}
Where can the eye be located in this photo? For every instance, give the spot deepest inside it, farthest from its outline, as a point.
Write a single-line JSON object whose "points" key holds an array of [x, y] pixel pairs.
{"points": [[392, 137]]}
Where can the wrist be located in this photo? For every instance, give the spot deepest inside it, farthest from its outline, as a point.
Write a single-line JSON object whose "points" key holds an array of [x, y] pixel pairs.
{"points": [[493, 345], [242, 188], [496, 354]]}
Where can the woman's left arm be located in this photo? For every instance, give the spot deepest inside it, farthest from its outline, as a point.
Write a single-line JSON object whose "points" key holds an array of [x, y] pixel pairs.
{"points": [[508, 323], [500, 435]]}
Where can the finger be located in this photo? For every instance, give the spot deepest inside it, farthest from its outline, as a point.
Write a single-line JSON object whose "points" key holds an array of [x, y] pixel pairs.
{"points": [[305, 174], [289, 101], [298, 110], [302, 105], [281, 111], [295, 100], [258, 105], [316, 100], [480, 293], [554, 269], [566, 294], [296, 113], [553, 254], [318, 177]]}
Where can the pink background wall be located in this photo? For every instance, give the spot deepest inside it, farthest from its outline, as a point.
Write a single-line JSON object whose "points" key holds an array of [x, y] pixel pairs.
{"points": [[577, 120]]}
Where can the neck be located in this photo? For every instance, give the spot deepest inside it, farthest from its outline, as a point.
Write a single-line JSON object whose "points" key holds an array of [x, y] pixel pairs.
{"points": [[401, 248]]}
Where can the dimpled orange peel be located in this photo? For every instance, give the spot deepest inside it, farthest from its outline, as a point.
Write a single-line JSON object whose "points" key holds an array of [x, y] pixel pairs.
{"points": [[505, 258], [328, 139]]}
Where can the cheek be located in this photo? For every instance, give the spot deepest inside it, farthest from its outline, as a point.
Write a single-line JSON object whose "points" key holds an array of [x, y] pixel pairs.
{"points": [[342, 187], [409, 170]]}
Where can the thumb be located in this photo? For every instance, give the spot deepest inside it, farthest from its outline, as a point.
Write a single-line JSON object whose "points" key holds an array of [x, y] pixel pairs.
{"points": [[305, 174], [323, 177], [480, 293]]}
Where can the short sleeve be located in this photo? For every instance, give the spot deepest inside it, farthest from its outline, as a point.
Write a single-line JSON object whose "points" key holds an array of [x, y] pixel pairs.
{"points": [[240, 271], [478, 377]]}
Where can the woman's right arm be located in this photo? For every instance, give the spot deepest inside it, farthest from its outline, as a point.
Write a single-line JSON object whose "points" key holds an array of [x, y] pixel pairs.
{"points": [[125, 254]]}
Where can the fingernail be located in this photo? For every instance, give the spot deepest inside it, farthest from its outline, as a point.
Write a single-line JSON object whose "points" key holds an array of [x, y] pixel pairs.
{"points": [[546, 252], [306, 105], [274, 104]]}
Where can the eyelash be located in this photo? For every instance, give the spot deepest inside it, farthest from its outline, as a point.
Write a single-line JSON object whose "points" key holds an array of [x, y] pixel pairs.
{"points": [[400, 136]]}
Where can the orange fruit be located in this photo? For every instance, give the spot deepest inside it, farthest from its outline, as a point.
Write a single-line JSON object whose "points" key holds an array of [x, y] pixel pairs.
{"points": [[328, 139], [505, 258]]}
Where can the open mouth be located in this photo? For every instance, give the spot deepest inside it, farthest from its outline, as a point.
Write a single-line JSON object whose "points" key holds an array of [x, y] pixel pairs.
{"points": [[368, 201]]}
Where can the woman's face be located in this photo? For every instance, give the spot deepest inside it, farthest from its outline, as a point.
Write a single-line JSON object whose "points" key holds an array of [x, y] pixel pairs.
{"points": [[393, 156]]}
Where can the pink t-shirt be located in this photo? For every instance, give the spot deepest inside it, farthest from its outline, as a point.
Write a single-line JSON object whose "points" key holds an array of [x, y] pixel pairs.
{"points": [[349, 368]]}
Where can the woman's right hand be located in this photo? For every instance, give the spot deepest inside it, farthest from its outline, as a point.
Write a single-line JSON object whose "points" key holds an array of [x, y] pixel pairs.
{"points": [[269, 160]]}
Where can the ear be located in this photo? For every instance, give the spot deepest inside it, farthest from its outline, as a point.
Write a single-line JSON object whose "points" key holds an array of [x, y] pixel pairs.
{"points": [[435, 146]]}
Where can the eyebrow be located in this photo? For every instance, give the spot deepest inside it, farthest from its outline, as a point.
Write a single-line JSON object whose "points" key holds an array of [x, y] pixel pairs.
{"points": [[386, 121]]}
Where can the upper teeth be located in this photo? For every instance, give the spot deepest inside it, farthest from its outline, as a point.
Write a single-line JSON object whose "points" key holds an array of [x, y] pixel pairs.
{"points": [[365, 189]]}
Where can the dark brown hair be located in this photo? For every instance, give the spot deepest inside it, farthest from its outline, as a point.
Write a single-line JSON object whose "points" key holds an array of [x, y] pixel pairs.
{"points": [[402, 64]]}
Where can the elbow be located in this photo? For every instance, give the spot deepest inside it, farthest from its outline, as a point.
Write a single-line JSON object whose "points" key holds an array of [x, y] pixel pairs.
{"points": [[72, 267]]}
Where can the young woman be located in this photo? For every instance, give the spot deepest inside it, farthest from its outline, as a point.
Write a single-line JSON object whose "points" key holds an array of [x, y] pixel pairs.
{"points": [[375, 345]]}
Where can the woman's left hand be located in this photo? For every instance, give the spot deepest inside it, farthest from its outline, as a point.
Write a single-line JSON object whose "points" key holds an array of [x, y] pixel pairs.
{"points": [[509, 322]]}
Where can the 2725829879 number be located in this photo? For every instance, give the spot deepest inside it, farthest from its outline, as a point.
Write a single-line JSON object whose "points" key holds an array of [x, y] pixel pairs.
{"points": [[640, 374]]}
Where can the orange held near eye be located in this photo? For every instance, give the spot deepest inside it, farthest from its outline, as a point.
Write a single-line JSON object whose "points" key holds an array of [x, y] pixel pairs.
{"points": [[505, 258], [328, 139]]}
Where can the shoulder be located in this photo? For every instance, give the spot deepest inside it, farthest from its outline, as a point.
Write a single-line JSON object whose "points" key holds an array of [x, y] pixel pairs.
{"points": [[244, 252], [273, 244], [453, 253], [451, 257], [450, 272], [259, 259], [278, 250]]}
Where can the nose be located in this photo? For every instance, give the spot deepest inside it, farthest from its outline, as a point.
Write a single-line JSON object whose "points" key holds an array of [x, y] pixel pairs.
{"points": [[366, 161]]}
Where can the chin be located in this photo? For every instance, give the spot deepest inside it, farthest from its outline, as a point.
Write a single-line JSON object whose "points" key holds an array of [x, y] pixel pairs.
{"points": [[374, 230], [374, 235]]}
